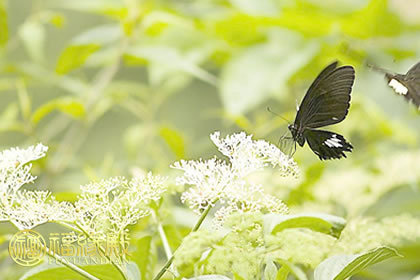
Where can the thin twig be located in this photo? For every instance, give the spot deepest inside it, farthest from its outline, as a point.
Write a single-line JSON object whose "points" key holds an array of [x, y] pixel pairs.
{"points": [[194, 229]]}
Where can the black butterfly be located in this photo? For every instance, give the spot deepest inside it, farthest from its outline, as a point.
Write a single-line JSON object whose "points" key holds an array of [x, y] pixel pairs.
{"points": [[407, 85], [326, 102]]}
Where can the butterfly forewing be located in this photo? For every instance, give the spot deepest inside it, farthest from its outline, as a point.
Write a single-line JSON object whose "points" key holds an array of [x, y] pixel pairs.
{"points": [[412, 82], [328, 99], [414, 72]]}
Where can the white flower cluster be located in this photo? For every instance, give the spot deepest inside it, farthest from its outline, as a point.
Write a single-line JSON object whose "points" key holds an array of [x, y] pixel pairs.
{"points": [[104, 209], [215, 180], [26, 209]]}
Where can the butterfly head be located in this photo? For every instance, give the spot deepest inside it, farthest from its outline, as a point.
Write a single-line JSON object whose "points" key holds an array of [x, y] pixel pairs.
{"points": [[296, 134]]}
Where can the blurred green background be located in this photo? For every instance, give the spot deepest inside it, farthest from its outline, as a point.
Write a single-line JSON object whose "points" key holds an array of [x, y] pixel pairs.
{"points": [[115, 87]]}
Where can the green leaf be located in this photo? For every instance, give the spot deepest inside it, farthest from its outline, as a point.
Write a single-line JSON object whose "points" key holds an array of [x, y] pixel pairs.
{"points": [[209, 277], [175, 141], [256, 8], [101, 35], [71, 84], [66, 196], [283, 273], [324, 223], [74, 56], [165, 59], [373, 20], [70, 106], [133, 272], [342, 267], [303, 192], [270, 271], [286, 268], [32, 33], [263, 70], [55, 272], [113, 8], [4, 32], [144, 257], [9, 119]]}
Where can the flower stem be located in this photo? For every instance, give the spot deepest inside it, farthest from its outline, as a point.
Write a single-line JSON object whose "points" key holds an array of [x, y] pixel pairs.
{"points": [[163, 237], [194, 229], [117, 266]]}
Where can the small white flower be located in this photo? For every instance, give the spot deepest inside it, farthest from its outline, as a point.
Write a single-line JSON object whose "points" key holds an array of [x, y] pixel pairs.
{"points": [[107, 207], [247, 155], [216, 180], [27, 209], [17, 156], [33, 208]]}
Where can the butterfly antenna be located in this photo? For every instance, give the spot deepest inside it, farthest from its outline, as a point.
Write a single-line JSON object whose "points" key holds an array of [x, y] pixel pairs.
{"points": [[376, 68], [269, 110]]}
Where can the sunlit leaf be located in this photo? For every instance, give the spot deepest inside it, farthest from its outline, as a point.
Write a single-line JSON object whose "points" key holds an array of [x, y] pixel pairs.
{"points": [[74, 56], [144, 257], [342, 267], [256, 8], [175, 141], [32, 33], [282, 273], [133, 271], [113, 8], [66, 196], [373, 20], [100, 35], [71, 84], [304, 20], [4, 31], [69, 106], [237, 29], [289, 268], [134, 136], [324, 223], [170, 59], [303, 192], [270, 271], [156, 21], [9, 119], [24, 99]]}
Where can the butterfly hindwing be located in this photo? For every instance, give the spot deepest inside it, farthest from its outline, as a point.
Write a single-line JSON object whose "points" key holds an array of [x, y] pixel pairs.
{"points": [[326, 144], [328, 99]]}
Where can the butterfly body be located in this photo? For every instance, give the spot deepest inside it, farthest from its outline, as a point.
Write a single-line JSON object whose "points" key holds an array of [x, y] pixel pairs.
{"points": [[326, 102], [407, 85]]}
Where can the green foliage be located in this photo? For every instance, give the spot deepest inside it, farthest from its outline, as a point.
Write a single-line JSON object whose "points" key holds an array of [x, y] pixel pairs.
{"points": [[74, 56], [4, 32], [69, 106], [127, 86], [174, 140], [344, 266], [145, 257], [318, 222]]}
